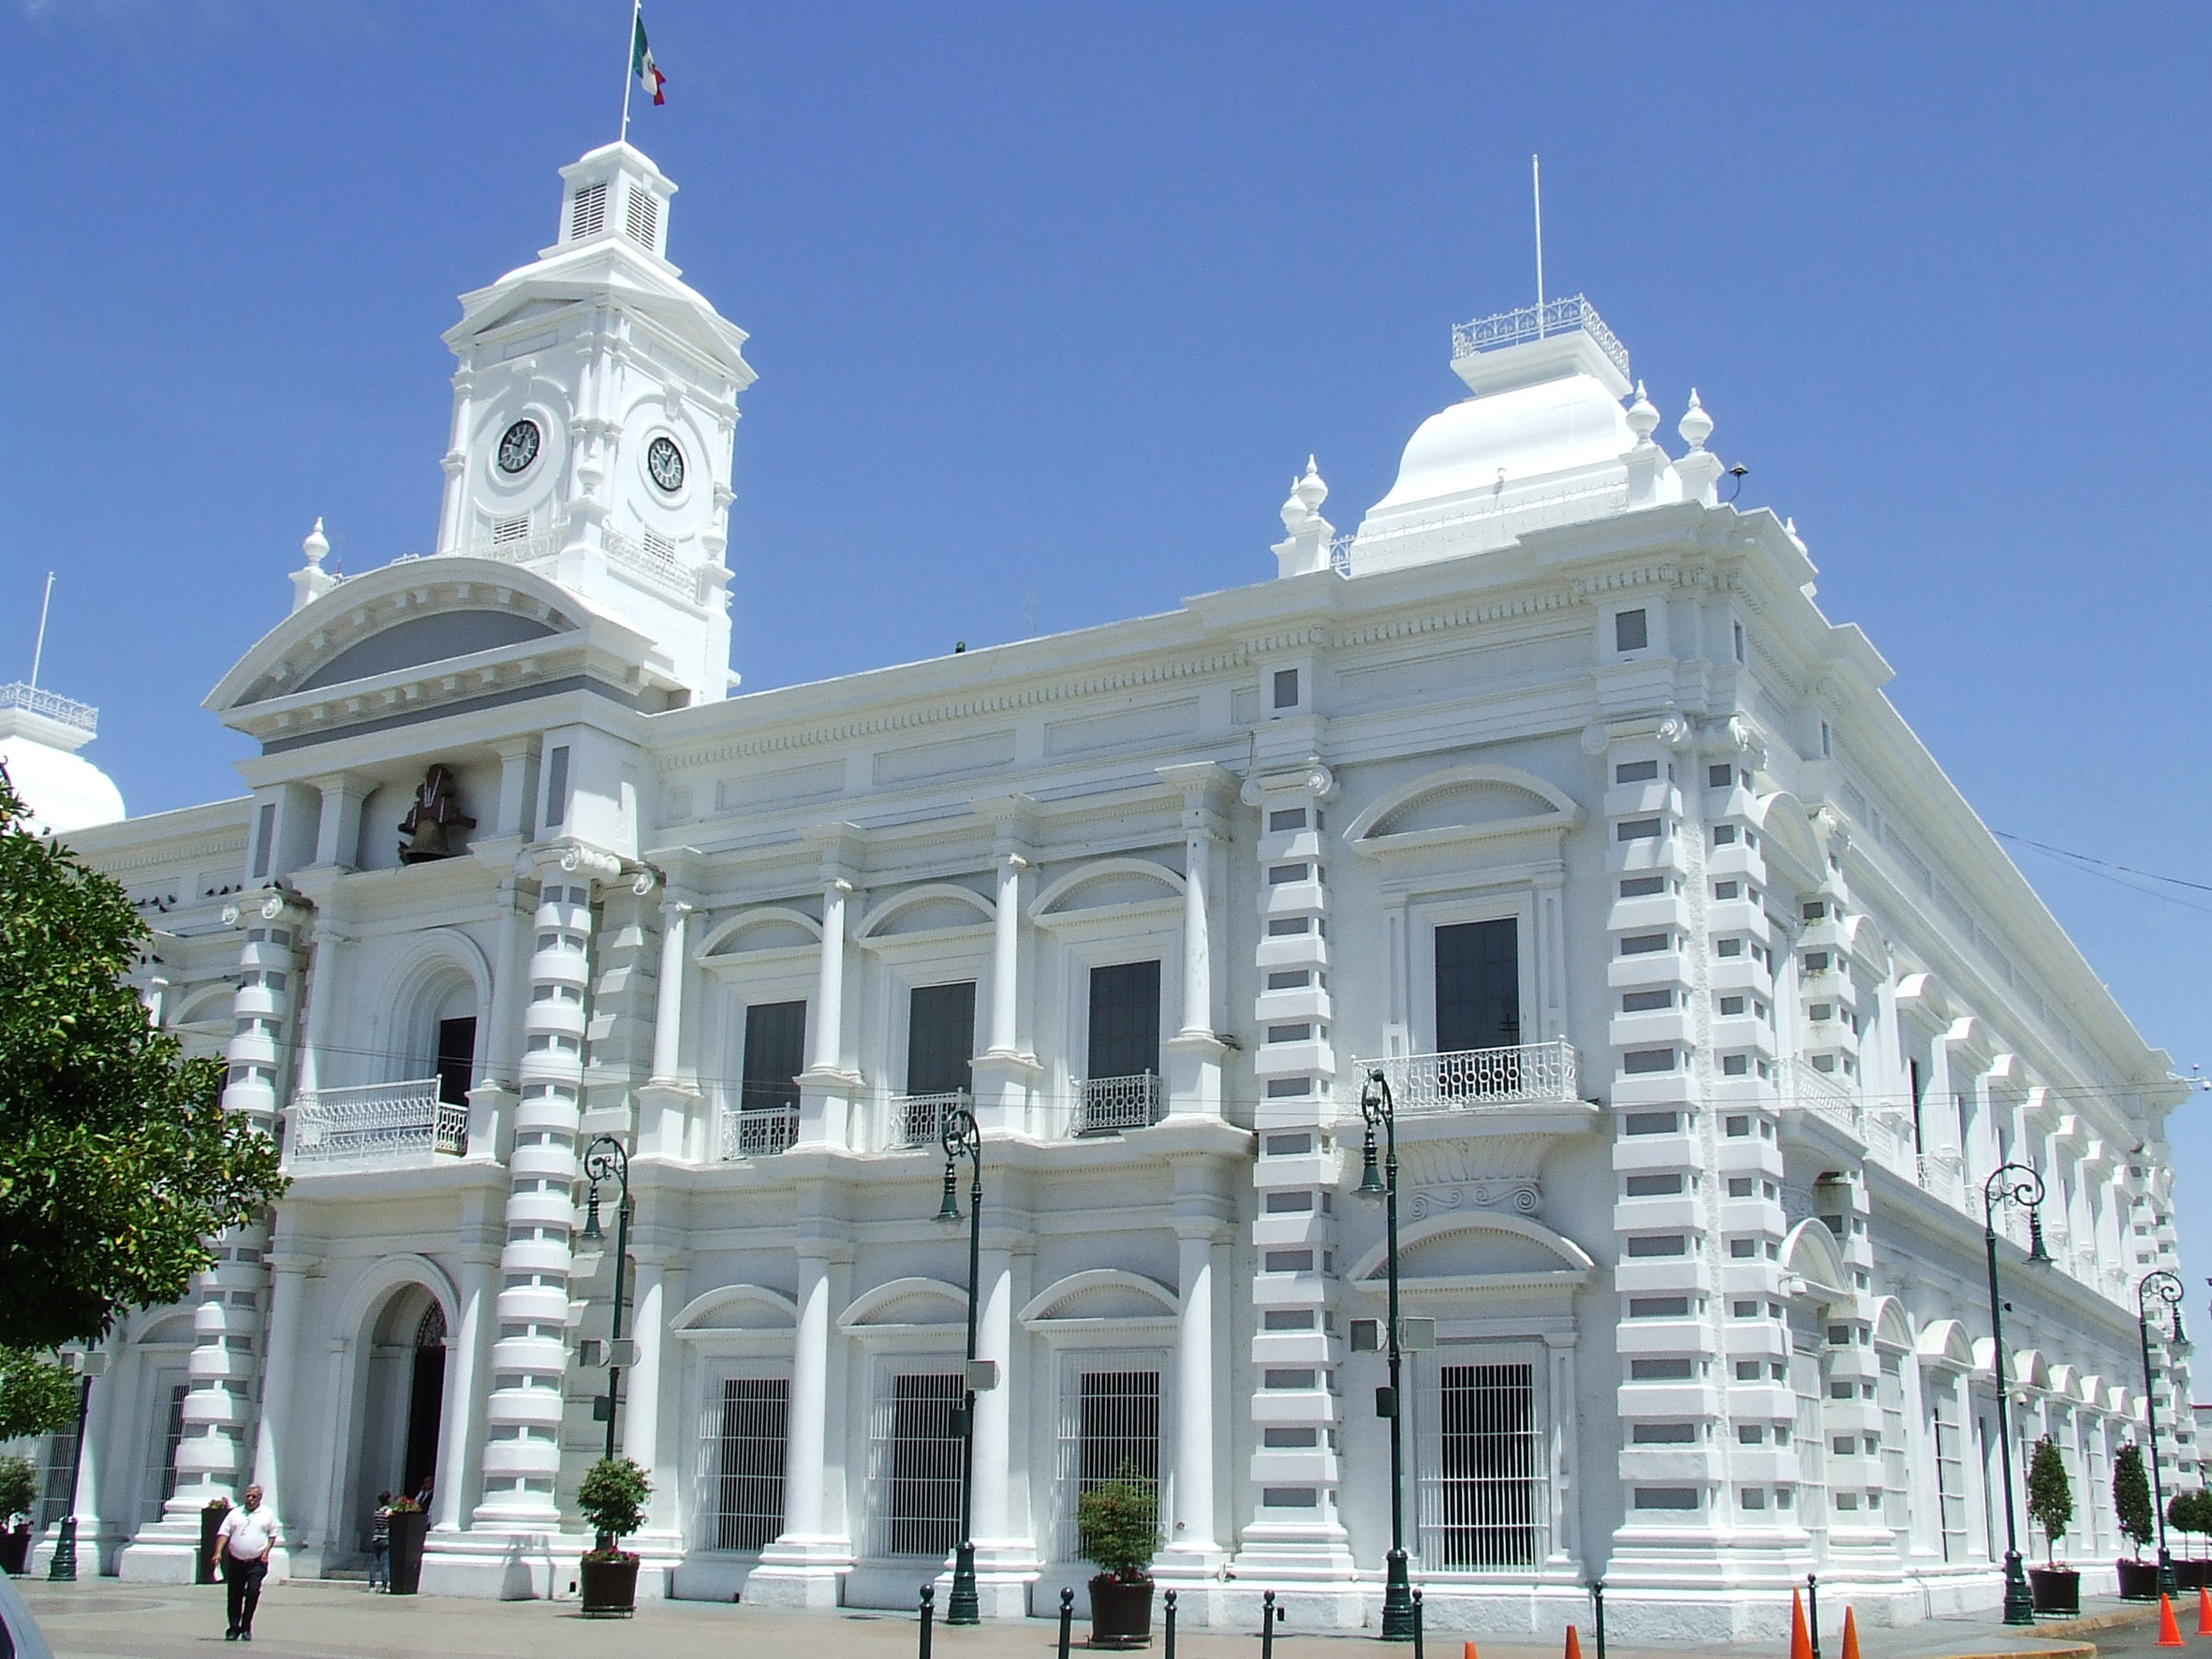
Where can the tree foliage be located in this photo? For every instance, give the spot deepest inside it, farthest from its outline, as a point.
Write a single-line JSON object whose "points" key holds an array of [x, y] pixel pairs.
{"points": [[611, 1496], [117, 1161], [1119, 1522], [19, 1488], [2050, 1493], [2130, 1496], [37, 1395]]}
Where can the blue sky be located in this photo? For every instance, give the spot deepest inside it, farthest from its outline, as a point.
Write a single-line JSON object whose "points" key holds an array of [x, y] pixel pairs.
{"points": [[1048, 302]]}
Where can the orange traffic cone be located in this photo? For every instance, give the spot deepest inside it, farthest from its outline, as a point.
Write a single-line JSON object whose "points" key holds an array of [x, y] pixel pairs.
{"points": [[2203, 1611], [1801, 1642], [1851, 1635], [2169, 1632], [1470, 1652], [1573, 1644]]}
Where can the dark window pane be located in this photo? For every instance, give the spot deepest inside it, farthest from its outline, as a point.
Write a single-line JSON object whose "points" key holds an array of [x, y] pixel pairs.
{"points": [[456, 1059], [1479, 986], [1125, 1019], [775, 1054], [940, 1038]]}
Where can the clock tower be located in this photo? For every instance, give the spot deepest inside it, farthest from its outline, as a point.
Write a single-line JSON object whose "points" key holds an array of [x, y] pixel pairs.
{"points": [[595, 411]]}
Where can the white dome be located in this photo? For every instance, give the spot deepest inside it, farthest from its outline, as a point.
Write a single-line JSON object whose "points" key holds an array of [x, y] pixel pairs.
{"points": [[64, 791], [1515, 438]]}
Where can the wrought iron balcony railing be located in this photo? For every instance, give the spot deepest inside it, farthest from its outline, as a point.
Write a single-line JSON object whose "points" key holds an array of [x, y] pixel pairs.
{"points": [[35, 700], [1110, 1104], [758, 1131], [1564, 315], [919, 1120], [377, 1124], [1465, 1080]]}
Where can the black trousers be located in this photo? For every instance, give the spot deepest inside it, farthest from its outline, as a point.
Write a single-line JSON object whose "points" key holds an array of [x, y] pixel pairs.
{"points": [[244, 1578]]}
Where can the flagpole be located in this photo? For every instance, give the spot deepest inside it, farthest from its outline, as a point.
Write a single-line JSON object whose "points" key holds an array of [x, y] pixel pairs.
{"points": [[1535, 190], [39, 651], [629, 61]]}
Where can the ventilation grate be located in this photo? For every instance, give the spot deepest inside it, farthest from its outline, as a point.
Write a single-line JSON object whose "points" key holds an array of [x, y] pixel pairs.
{"points": [[588, 216], [507, 530], [644, 218], [660, 546]]}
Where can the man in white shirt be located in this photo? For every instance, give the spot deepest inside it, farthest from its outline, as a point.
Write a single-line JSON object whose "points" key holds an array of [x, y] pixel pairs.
{"points": [[242, 1544]]}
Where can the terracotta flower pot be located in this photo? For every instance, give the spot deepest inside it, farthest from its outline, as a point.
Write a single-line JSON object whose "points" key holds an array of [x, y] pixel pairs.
{"points": [[1121, 1612], [609, 1586], [2057, 1590]]}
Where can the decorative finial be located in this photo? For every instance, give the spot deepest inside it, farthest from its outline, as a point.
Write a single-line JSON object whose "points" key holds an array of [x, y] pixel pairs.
{"points": [[1310, 489], [1696, 425], [316, 545], [311, 581], [1642, 418]]}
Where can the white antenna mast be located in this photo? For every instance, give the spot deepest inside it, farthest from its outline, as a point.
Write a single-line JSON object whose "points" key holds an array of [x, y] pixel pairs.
{"points": [[1535, 189], [629, 66], [39, 651]]}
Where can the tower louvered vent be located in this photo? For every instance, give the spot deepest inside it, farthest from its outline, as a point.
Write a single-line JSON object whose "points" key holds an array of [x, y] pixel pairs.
{"points": [[644, 218], [588, 216], [507, 530]]}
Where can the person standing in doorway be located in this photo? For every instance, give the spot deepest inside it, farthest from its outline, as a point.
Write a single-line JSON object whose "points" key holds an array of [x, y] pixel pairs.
{"points": [[380, 1544], [242, 1544]]}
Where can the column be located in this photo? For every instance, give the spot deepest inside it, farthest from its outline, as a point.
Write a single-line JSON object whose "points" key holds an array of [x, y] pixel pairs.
{"points": [[1006, 1072], [668, 1007], [522, 1447], [322, 983], [802, 1568], [337, 827], [641, 1403], [461, 1453], [1198, 972], [224, 1363], [1006, 955], [1193, 1056], [827, 1089], [1192, 1532], [492, 1094], [828, 1015], [272, 1442]]}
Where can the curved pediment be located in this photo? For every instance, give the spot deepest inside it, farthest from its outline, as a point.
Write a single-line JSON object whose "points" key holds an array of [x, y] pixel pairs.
{"points": [[1793, 857], [1461, 804], [1100, 1294], [771, 927], [467, 614], [1810, 1253], [906, 1301], [935, 907], [736, 1307], [1892, 1329], [1106, 884], [1471, 1250], [1944, 1341]]}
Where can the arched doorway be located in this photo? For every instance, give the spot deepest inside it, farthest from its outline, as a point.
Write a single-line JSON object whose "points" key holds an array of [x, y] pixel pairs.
{"points": [[426, 1401], [403, 1403]]}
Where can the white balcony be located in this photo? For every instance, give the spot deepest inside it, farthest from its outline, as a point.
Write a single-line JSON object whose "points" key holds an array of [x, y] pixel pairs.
{"points": [[919, 1120], [758, 1131], [1472, 1080], [1110, 1104], [378, 1126]]}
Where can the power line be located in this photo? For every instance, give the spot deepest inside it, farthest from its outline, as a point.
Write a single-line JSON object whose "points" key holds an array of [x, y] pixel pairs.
{"points": [[2102, 864]]}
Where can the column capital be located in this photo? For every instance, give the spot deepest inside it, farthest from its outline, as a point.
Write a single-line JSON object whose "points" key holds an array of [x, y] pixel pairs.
{"points": [[273, 904], [842, 848], [1202, 782], [575, 858]]}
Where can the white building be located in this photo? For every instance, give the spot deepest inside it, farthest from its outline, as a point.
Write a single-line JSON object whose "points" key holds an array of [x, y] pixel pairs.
{"points": [[1707, 1004]]}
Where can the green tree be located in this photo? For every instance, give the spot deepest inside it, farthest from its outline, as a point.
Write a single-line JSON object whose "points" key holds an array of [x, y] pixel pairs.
{"points": [[2131, 1498], [37, 1395], [611, 1496], [1119, 1523], [2050, 1495], [117, 1161]]}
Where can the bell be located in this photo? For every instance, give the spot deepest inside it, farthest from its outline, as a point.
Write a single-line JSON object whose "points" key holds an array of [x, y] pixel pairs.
{"points": [[428, 842]]}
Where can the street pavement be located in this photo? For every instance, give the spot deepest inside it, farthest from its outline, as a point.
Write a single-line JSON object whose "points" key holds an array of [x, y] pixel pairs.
{"points": [[342, 1620]]}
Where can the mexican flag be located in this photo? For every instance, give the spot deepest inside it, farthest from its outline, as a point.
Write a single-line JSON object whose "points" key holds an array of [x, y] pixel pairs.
{"points": [[642, 64]]}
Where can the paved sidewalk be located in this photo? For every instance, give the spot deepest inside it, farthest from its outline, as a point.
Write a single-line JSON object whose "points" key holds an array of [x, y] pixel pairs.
{"points": [[337, 1620]]}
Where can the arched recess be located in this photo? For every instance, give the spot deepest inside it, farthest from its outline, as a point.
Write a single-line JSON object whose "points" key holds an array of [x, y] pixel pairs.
{"points": [[736, 1307], [905, 1301], [1475, 1249], [2062, 1382], [1801, 865], [1892, 1329], [2030, 1370], [374, 1327], [765, 927], [1944, 1343], [1105, 883], [1099, 1295], [1810, 1253], [1461, 804], [937, 907], [443, 975]]}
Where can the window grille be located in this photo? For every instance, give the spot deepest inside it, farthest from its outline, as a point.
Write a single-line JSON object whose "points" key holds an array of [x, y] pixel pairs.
{"points": [[742, 1462], [1109, 1430], [61, 1454], [914, 1465], [507, 530], [1485, 1502], [588, 215], [160, 1482], [1812, 1449], [1895, 1503], [643, 215]]}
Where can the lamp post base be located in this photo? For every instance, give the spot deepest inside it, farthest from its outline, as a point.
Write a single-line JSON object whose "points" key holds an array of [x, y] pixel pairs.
{"points": [[1398, 1620], [2019, 1599], [961, 1607], [2167, 1586], [63, 1568]]}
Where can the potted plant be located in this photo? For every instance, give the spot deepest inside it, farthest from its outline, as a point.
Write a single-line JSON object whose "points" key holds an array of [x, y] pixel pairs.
{"points": [[2187, 1513], [19, 1496], [211, 1522], [2050, 1506], [2139, 1522], [612, 1498], [406, 1526], [1119, 1523]]}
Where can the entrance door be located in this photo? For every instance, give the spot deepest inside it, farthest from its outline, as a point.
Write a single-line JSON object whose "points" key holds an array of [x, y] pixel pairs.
{"points": [[426, 1400]]}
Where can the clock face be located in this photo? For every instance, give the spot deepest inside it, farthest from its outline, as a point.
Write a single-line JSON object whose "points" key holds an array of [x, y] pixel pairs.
{"points": [[665, 461], [518, 448]]}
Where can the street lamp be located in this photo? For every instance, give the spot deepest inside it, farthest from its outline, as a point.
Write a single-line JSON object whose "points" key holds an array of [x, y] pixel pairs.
{"points": [[2161, 1287], [1397, 1592], [605, 1160], [2011, 1183], [962, 1139]]}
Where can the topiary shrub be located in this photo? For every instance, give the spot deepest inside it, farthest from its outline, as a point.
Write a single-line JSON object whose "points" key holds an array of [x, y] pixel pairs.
{"points": [[613, 1499], [1119, 1521], [2050, 1495], [2130, 1499], [19, 1489]]}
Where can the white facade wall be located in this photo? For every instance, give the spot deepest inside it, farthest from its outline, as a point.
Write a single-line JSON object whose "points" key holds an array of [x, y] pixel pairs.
{"points": [[1705, 1246]]}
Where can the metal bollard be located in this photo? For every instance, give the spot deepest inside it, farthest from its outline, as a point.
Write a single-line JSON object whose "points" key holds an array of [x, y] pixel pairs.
{"points": [[1419, 1652], [1268, 1614], [1067, 1618], [1812, 1608], [1168, 1628], [1598, 1612], [929, 1596]]}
